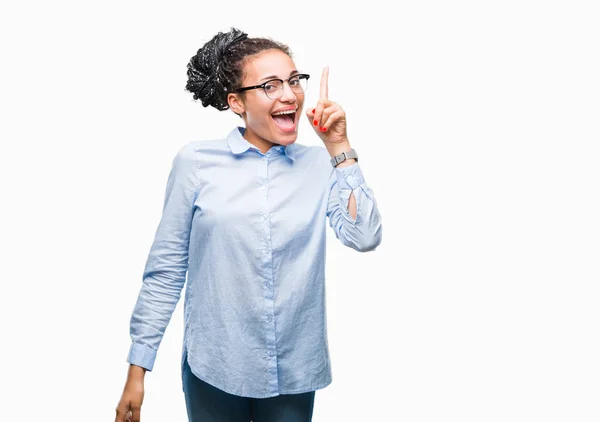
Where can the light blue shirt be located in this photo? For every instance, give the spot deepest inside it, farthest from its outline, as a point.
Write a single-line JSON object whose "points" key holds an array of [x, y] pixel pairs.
{"points": [[249, 229]]}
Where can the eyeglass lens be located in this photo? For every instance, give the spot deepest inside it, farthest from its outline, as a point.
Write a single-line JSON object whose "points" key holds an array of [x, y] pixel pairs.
{"points": [[274, 89]]}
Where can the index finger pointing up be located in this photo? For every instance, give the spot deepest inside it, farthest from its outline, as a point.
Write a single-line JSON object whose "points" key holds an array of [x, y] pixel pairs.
{"points": [[324, 77]]}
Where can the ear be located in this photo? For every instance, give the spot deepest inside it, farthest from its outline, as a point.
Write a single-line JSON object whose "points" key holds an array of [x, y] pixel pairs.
{"points": [[236, 103]]}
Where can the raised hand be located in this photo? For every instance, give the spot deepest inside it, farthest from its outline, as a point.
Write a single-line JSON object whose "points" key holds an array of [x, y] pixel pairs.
{"points": [[327, 118]]}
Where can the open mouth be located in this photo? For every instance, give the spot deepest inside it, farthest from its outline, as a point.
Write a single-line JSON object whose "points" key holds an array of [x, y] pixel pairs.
{"points": [[285, 121]]}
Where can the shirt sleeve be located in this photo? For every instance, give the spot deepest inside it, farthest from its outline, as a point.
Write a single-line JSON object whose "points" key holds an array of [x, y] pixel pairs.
{"points": [[363, 233], [166, 267]]}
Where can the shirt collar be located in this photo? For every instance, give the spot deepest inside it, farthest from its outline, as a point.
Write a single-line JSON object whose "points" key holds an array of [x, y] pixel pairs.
{"points": [[238, 144]]}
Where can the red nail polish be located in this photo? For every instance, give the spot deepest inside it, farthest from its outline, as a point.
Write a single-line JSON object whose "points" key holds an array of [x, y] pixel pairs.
{"points": [[314, 109], [315, 123], [324, 129]]}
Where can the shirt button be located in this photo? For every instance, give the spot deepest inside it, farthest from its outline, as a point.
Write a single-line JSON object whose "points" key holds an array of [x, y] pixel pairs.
{"points": [[269, 318]]}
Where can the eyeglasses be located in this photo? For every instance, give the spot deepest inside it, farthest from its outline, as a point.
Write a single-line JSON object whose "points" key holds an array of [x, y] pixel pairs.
{"points": [[274, 87]]}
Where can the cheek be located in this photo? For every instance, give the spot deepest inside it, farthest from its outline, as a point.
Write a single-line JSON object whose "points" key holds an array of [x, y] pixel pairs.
{"points": [[261, 123], [260, 116]]}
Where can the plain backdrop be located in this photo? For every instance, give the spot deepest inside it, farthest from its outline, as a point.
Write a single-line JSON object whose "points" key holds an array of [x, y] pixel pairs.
{"points": [[477, 127]]}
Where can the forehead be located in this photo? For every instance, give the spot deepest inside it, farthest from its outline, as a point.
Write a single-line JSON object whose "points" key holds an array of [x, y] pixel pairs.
{"points": [[267, 63]]}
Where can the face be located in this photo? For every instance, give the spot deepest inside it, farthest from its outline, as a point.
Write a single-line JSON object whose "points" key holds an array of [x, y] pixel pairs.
{"points": [[257, 110]]}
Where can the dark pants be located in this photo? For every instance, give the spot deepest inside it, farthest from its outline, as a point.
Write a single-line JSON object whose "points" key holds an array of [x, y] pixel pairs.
{"points": [[206, 403]]}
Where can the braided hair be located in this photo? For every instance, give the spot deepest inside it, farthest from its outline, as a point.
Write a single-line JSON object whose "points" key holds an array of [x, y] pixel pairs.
{"points": [[217, 68]]}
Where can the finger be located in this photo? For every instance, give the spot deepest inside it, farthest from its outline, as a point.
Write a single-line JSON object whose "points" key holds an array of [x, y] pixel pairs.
{"points": [[310, 114], [318, 116], [327, 111], [335, 116], [330, 108], [323, 92], [121, 414], [136, 413]]}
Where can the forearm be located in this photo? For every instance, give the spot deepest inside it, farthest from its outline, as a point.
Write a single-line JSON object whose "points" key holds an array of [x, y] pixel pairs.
{"points": [[155, 305], [351, 203], [338, 148], [136, 372]]}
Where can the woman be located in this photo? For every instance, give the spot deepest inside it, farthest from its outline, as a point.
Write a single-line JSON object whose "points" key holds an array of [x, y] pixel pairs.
{"points": [[245, 218]]}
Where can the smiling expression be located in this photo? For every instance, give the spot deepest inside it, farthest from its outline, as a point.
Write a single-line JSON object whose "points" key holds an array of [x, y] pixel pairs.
{"points": [[257, 109]]}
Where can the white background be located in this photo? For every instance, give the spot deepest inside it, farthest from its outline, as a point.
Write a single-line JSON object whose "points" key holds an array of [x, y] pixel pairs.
{"points": [[477, 126]]}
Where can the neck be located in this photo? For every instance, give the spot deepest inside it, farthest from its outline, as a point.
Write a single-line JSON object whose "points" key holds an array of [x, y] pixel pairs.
{"points": [[262, 144]]}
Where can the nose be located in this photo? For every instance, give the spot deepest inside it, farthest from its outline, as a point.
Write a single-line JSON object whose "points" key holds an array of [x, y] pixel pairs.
{"points": [[287, 95]]}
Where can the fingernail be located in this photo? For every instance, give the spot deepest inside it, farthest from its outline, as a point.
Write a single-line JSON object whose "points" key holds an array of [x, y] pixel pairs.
{"points": [[314, 109], [324, 129], [315, 123]]}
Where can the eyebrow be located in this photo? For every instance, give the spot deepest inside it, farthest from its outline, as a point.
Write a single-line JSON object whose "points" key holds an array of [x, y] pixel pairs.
{"points": [[277, 77]]}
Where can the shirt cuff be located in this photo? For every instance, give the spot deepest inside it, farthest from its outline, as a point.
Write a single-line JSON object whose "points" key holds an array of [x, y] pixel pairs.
{"points": [[349, 177], [141, 355]]}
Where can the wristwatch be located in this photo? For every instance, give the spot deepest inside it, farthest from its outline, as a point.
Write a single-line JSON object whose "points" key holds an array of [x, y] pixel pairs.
{"points": [[340, 158]]}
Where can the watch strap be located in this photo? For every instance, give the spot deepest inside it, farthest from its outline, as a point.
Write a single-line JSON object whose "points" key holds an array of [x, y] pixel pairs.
{"points": [[340, 158]]}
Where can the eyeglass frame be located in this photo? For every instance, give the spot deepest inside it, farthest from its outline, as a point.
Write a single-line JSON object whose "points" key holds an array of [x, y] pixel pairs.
{"points": [[246, 88]]}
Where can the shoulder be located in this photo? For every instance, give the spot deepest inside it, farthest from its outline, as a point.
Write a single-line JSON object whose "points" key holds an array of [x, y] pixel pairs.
{"points": [[191, 152], [194, 147]]}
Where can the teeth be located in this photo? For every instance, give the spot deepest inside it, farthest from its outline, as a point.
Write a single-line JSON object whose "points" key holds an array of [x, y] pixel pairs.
{"points": [[284, 112]]}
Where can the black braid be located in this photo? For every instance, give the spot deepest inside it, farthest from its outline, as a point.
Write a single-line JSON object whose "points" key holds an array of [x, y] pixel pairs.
{"points": [[217, 67]]}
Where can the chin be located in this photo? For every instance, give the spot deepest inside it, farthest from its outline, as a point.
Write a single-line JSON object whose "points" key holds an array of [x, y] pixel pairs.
{"points": [[287, 139]]}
